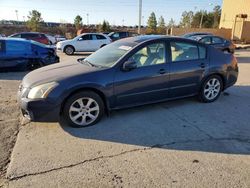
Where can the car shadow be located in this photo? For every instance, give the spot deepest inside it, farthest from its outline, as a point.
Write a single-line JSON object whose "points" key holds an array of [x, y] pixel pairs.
{"points": [[220, 127]]}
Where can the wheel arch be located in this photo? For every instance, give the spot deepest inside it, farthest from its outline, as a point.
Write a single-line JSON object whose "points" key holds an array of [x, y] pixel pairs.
{"points": [[68, 45], [97, 91], [215, 74]]}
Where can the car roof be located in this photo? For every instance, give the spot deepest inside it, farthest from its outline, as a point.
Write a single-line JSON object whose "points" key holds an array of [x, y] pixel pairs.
{"points": [[14, 39], [28, 33]]}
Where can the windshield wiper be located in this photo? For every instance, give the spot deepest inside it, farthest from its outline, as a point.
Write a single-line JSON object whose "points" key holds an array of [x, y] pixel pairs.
{"points": [[83, 60]]}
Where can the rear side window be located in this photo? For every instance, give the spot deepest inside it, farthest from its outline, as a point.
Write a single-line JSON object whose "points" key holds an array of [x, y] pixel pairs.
{"points": [[182, 51], [100, 37], [202, 52], [30, 35], [217, 40], [206, 40], [18, 47]]}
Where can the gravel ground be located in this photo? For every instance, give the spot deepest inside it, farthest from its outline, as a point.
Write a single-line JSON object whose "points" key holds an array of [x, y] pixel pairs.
{"points": [[9, 118]]}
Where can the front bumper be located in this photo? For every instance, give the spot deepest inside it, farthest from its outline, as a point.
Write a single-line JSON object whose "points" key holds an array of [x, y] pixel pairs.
{"points": [[40, 110]]}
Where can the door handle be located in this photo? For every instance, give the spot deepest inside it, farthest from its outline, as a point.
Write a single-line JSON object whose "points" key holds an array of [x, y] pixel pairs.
{"points": [[162, 71], [202, 65]]}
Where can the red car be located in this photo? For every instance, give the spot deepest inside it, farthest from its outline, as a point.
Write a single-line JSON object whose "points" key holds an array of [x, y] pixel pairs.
{"points": [[39, 37]]}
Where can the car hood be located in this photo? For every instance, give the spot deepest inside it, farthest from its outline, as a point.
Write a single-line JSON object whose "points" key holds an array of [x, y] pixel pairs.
{"points": [[56, 72], [65, 42]]}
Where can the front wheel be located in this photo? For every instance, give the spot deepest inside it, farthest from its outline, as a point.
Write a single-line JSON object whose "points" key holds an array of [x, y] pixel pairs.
{"points": [[83, 109], [211, 89], [69, 50]]}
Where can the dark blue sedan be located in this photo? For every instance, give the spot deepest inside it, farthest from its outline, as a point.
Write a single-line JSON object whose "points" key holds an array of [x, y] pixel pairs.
{"points": [[130, 72], [22, 54]]}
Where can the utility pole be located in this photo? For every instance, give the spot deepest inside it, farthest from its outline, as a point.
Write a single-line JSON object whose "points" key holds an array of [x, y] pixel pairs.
{"points": [[202, 15], [140, 10], [87, 18], [16, 14]]}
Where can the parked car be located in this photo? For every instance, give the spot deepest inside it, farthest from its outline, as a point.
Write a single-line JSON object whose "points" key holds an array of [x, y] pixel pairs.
{"points": [[216, 41], [87, 42], [52, 39], [119, 35], [21, 54], [188, 35], [39, 37], [60, 38], [2, 35], [126, 73]]}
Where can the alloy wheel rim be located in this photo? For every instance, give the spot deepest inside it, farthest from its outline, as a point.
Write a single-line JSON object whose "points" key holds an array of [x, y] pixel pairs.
{"points": [[212, 88], [69, 50], [84, 111]]}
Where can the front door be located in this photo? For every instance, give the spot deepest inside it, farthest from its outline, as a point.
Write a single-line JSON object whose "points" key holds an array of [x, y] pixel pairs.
{"points": [[146, 83], [187, 67]]}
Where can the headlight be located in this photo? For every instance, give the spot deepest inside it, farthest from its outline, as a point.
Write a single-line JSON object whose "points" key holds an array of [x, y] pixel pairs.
{"points": [[41, 91]]}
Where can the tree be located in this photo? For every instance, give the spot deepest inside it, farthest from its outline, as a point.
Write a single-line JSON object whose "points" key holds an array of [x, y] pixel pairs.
{"points": [[217, 16], [171, 23], [104, 27], [152, 23], [161, 26], [34, 20], [186, 19], [78, 22]]}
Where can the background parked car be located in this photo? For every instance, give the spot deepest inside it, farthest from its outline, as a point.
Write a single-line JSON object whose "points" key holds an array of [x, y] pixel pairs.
{"points": [[39, 37], [188, 35], [119, 35], [52, 39], [21, 54], [60, 38], [2, 35], [87, 42], [216, 41]]}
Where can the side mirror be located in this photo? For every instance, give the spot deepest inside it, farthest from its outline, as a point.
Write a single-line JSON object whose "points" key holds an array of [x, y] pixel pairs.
{"points": [[129, 65], [80, 39]]}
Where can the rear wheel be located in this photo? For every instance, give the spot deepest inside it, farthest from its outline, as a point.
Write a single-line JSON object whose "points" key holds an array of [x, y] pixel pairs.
{"points": [[69, 50], [211, 89], [83, 109]]}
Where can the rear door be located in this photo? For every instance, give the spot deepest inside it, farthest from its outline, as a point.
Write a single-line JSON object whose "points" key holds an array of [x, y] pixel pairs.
{"points": [[188, 65], [99, 40]]}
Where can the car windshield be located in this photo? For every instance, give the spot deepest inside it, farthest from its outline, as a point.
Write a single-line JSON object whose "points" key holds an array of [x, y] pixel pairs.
{"points": [[109, 55]]}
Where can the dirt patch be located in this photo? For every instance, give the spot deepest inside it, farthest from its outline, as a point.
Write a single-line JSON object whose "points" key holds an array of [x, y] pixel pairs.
{"points": [[9, 119]]}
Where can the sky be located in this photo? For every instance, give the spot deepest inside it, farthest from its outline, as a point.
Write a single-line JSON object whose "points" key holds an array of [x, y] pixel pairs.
{"points": [[117, 12]]}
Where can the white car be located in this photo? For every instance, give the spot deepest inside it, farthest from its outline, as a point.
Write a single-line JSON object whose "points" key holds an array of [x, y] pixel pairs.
{"points": [[87, 42], [52, 39]]}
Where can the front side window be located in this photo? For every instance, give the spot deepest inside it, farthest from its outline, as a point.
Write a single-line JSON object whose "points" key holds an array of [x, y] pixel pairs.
{"points": [[150, 55], [182, 51], [86, 37]]}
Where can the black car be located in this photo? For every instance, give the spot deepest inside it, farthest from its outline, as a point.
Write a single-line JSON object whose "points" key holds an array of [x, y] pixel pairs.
{"points": [[216, 41], [21, 54], [118, 35], [129, 72], [188, 35]]}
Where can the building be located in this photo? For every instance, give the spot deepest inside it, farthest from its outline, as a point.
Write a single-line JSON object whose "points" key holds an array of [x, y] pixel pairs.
{"points": [[231, 19]]}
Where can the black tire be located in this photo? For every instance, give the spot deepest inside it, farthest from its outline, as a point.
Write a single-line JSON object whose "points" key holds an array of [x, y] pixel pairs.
{"points": [[71, 101], [103, 45], [69, 50], [203, 96]]}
